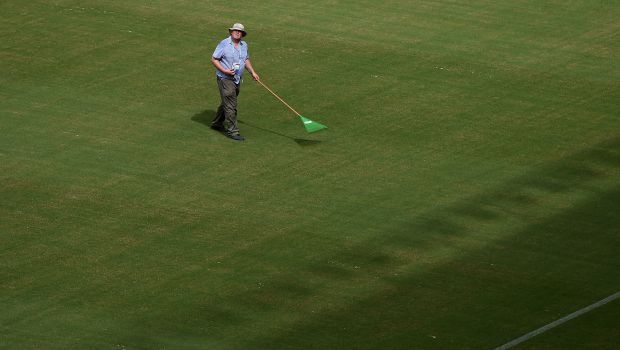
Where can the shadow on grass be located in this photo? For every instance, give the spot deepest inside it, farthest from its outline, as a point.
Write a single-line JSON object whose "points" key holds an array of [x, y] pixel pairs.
{"points": [[437, 282], [546, 260], [205, 117]]}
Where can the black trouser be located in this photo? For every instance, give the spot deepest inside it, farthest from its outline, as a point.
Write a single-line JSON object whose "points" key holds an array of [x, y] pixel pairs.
{"points": [[227, 111]]}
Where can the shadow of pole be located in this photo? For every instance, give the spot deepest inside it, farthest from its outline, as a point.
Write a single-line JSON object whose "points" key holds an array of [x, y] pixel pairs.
{"points": [[299, 141], [205, 117]]}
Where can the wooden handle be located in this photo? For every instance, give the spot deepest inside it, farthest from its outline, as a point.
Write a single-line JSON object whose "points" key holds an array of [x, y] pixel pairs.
{"points": [[278, 97]]}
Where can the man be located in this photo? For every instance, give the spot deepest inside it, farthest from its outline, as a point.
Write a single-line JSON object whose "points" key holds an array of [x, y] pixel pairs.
{"points": [[231, 59]]}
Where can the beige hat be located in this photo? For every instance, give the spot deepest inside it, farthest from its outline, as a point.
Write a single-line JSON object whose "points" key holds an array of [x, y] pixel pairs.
{"points": [[239, 27]]}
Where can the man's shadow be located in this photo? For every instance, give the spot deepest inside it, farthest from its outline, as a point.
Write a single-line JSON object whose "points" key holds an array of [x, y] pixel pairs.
{"points": [[206, 117]]}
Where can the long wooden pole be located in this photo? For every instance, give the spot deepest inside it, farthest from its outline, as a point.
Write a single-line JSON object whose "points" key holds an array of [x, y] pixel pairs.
{"points": [[279, 98]]}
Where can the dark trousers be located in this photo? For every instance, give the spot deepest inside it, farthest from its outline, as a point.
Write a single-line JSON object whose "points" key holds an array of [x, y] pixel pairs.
{"points": [[227, 111]]}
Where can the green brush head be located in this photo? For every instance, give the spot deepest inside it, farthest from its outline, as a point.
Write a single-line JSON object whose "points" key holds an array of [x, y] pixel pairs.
{"points": [[311, 126]]}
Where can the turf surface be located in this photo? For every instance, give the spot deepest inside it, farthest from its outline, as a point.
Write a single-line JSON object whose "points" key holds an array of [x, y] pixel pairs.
{"points": [[466, 192]]}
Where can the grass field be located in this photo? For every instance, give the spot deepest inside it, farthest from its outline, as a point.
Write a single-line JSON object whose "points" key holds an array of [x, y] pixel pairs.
{"points": [[467, 190]]}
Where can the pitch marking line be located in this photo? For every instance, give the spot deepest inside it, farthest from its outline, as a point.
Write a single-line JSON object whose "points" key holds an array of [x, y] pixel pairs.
{"points": [[556, 323]]}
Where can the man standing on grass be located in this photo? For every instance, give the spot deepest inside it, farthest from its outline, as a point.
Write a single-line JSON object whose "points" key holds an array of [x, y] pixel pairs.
{"points": [[231, 58]]}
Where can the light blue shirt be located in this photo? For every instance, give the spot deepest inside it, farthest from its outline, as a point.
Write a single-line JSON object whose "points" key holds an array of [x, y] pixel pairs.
{"points": [[228, 54]]}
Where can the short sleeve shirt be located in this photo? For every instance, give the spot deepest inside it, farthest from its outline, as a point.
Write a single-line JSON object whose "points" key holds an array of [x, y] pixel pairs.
{"points": [[228, 55]]}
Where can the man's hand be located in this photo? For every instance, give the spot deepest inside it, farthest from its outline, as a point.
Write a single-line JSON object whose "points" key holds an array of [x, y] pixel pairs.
{"points": [[250, 68]]}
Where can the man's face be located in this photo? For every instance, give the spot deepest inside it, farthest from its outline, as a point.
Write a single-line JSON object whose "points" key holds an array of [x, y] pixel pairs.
{"points": [[236, 34]]}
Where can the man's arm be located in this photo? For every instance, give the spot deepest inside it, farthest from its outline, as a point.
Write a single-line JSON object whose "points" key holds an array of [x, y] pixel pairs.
{"points": [[250, 69], [219, 67]]}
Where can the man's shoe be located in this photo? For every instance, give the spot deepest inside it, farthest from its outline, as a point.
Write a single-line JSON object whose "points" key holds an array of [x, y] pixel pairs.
{"points": [[237, 137], [217, 127]]}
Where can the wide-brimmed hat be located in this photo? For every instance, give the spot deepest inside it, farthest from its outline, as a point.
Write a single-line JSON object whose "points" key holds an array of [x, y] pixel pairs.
{"points": [[239, 27]]}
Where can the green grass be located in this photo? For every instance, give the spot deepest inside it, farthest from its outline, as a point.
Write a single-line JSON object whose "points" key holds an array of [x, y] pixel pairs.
{"points": [[466, 192]]}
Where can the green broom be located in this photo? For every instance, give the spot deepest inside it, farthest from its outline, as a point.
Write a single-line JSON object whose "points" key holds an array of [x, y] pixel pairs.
{"points": [[310, 125]]}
